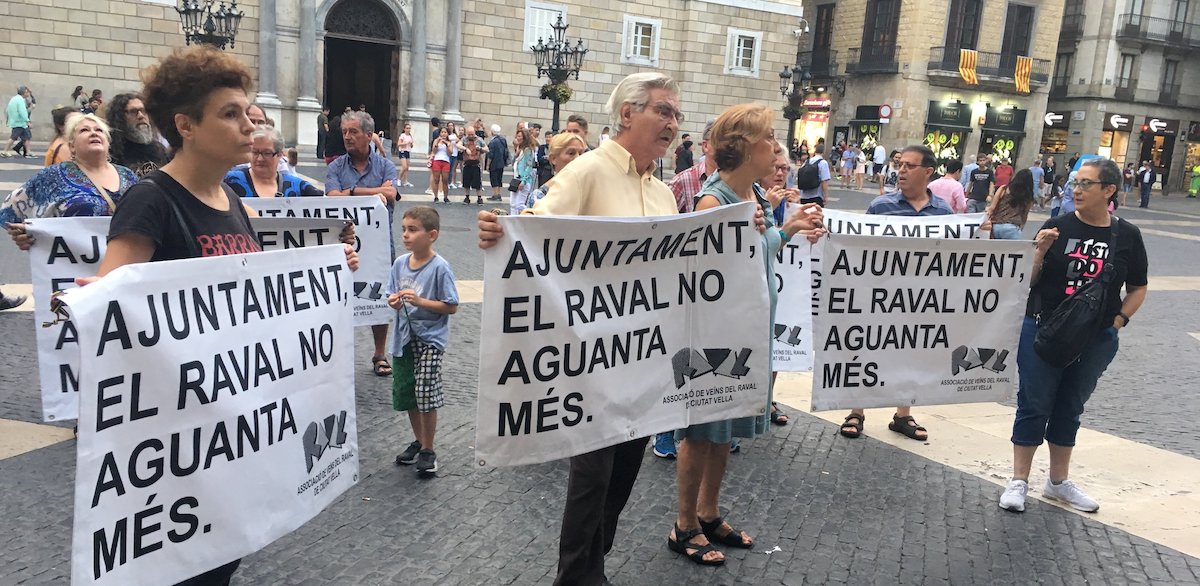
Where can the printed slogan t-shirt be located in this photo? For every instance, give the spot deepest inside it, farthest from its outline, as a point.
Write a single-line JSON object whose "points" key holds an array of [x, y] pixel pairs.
{"points": [[433, 280], [1078, 256], [145, 210]]}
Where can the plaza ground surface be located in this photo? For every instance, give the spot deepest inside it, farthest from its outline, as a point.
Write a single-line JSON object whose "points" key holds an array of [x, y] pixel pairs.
{"points": [[823, 509]]}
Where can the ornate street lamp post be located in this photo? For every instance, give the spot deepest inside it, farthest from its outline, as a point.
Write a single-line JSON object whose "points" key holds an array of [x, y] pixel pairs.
{"points": [[558, 60], [794, 85], [201, 24]]}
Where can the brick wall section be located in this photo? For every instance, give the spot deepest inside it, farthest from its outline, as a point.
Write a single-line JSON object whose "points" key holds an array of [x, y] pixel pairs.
{"points": [[499, 82], [54, 45]]}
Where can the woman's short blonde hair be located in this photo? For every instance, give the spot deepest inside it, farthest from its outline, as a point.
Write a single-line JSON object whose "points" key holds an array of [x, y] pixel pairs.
{"points": [[73, 124], [560, 142], [736, 130]]}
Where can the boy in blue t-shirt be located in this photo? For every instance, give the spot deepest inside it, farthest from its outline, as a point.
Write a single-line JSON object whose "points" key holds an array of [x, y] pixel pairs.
{"points": [[423, 295]]}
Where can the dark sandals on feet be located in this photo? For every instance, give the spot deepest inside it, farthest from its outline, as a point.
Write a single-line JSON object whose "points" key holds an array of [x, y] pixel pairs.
{"points": [[908, 426], [778, 417], [732, 538], [681, 543], [855, 429], [380, 366]]}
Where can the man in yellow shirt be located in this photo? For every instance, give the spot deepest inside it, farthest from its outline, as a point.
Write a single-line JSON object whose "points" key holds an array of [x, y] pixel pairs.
{"points": [[615, 179]]}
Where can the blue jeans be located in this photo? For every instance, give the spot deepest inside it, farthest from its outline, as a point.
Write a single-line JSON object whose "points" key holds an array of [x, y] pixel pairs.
{"points": [[1050, 400], [975, 206], [1146, 194], [1006, 232]]}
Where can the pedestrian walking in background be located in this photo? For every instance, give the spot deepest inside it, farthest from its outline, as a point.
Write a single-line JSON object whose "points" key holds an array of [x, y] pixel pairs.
{"points": [[439, 165], [404, 144], [889, 181], [1004, 173], [684, 159], [1010, 206], [1071, 251], [497, 159], [78, 98], [322, 131], [421, 290], [878, 158], [848, 162], [1146, 178], [524, 170], [17, 114], [949, 188], [982, 185]]}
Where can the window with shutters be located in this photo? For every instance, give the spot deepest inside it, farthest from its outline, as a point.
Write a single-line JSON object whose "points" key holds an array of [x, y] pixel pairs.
{"points": [[539, 16], [742, 52], [640, 44]]}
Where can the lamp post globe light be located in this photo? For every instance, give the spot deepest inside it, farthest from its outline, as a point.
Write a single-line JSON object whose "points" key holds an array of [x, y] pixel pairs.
{"points": [[201, 24], [558, 60]]}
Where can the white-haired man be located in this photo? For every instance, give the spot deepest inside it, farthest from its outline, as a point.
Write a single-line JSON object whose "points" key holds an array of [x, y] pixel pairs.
{"points": [[615, 179], [362, 171]]}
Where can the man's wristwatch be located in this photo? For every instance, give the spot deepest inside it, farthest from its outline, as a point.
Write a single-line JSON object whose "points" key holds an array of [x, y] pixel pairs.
{"points": [[1124, 317]]}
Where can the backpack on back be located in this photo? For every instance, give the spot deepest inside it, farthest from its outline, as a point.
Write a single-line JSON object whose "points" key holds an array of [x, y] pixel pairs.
{"points": [[808, 176]]}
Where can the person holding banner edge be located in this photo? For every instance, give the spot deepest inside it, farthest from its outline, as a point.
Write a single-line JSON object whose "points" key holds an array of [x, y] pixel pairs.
{"points": [[743, 146], [364, 172], [914, 166], [1050, 400], [197, 97]]}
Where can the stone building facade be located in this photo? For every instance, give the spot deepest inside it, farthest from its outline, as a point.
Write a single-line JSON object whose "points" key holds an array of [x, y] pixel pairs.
{"points": [[902, 58], [410, 60], [1122, 66]]}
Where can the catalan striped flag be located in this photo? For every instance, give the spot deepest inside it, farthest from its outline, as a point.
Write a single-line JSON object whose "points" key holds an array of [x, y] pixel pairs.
{"points": [[1024, 67], [966, 65]]}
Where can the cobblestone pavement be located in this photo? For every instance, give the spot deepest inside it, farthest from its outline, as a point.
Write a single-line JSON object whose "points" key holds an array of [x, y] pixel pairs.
{"points": [[838, 511]]}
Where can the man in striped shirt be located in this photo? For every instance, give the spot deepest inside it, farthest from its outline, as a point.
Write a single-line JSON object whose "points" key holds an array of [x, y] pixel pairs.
{"points": [[687, 184]]}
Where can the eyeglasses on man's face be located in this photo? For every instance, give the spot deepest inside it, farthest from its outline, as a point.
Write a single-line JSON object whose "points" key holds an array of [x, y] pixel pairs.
{"points": [[666, 111], [1086, 184], [905, 165]]}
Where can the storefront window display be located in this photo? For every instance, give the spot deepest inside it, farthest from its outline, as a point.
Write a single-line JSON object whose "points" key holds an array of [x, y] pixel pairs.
{"points": [[1002, 131], [1114, 139], [947, 125], [865, 128]]}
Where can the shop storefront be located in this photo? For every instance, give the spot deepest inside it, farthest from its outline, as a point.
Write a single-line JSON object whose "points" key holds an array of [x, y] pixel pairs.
{"points": [[1193, 158], [1002, 132], [1158, 142], [865, 127], [1114, 139], [1054, 133], [813, 125], [947, 125]]}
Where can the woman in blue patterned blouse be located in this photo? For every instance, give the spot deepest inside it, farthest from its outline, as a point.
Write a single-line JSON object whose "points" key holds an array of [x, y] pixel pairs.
{"points": [[263, 178], [86, 185]]}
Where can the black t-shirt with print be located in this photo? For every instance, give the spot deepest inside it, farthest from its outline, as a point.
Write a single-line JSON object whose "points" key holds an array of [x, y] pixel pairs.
{"points": [[981, 182], [1078, 256], [145, 210]]}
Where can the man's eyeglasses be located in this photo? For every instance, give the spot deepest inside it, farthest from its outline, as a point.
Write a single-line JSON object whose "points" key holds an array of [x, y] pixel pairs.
{"points": [[264, 154], [784, 168], [666, 111], [135, 111], [1086, 184], [905, 165]]}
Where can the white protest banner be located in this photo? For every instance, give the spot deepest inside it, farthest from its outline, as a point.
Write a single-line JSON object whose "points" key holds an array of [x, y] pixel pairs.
{"points": [[792, 348], [373, 229], [216, 410], [603, 330], [68, 248], [916, 321], [950, 226]]}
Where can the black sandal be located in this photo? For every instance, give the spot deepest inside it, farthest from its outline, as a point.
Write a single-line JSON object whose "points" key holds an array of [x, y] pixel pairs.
{"points": [[857, 427], [380, 366], [682, 542], [733, 538], [778, 417], [907, 426]]}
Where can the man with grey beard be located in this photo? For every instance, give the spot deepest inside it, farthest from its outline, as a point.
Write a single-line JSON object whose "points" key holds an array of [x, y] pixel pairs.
{"points": [[134, 143]]}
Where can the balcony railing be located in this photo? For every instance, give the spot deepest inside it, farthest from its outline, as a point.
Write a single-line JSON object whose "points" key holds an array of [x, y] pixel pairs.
{"points": [[1162, 31], [988, 65], [873, 59], [1126, 88], [1058, 87], [821, 62], [1072, 27], [1168, 95]]}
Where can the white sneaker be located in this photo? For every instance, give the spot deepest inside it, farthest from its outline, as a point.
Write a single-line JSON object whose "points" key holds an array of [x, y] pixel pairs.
{"points": [[428, 192], [1068, 493], [1013, 497], [407, 184]]}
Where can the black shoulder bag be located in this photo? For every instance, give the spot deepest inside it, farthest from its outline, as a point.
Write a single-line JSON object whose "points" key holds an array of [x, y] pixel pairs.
{"points": [[1063, 335]]}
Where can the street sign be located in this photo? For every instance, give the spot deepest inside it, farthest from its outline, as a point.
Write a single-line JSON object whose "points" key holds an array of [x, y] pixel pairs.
{"points": [[1156, 125], [1053, 118], [1118, 122], [885, 112], [1163, 126]]}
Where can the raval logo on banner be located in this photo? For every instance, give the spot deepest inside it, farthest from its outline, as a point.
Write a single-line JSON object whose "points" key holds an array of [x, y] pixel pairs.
{"points": [[603, 330], [373, 229], [908, 321], [65, 249], [216, 410]]}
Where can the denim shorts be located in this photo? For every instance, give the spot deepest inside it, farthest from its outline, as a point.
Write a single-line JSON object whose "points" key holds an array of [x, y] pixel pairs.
{"points": [[1006, 232], [1050, 400]]}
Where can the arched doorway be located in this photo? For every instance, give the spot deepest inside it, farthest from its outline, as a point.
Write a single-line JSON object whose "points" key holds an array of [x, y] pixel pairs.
{"points": [[362, 54]]}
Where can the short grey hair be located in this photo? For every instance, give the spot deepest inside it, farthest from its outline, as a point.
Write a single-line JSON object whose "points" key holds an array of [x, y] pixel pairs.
{"points": [[635, 89], [265, 131], [1110, 172], [365, 121]]}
